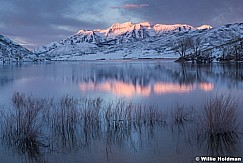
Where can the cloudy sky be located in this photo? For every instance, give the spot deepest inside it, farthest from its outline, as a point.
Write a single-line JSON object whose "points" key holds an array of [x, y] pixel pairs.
{"points": [[37, 22]]}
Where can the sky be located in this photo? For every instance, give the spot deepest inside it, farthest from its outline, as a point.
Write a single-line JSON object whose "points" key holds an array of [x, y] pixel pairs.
{"points": [[33, 23]]}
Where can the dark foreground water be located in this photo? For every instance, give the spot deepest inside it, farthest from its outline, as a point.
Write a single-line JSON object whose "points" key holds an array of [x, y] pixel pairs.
{"points": [[162, 84]]}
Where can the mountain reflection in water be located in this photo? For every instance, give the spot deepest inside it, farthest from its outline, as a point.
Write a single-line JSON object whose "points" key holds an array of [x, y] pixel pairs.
{"points": [[145, 127], [120, 88]]}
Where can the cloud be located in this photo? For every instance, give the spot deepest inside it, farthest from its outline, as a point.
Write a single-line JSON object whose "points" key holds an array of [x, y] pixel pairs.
{"points": [[2, 25], [130, 6], [101, 17], [22, 41], [64, 27], [215, 13], [43, 21]]}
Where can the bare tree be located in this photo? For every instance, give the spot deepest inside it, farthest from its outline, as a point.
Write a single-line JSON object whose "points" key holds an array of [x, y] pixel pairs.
{"points": [[239, 50], [208, 56], [5, 53], [196, 46], [225, 51], [232, 50], [236, 48], [182, 46]]}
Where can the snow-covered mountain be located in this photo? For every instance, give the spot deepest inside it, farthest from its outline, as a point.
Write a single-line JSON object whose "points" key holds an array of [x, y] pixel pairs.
{"points": [[141, 40], [11, 51]]}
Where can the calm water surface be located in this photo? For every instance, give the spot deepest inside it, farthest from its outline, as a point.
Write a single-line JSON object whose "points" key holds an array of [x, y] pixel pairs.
{"points": [[162, 83]]}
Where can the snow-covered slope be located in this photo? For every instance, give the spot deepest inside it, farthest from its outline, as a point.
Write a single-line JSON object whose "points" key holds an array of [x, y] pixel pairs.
{"points": [[11, 51], [142, 40]]}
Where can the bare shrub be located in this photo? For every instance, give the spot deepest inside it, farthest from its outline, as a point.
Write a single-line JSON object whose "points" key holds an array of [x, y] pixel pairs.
{"points": [[220, 115], [22, 127], [217, 126], [180, 114], [63, 121]]}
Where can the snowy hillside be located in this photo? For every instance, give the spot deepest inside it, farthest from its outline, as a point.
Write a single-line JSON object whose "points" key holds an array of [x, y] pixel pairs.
{"points": [[11, 51], [142, 40]]}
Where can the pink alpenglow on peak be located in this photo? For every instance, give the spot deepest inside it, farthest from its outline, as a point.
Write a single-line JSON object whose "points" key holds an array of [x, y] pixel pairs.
{"points": [[121, 26], [87, 32], [176, 27], [138, 40], [204, 27], [133, 31]]}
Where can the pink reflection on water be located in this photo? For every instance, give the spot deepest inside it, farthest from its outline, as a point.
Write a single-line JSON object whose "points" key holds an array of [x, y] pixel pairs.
{"points": [[117, 87], [207, 87], [121, 88], [166, 88]]}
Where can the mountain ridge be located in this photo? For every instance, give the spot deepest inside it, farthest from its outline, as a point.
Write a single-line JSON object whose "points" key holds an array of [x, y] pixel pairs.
{"points": [[140, 40], [163, 27], [127, 41], [11, 51], [90, 41]]}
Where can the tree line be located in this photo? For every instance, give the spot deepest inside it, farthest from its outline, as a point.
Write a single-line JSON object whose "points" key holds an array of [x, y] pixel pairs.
{"points": [[7, 54], [191, 49]]}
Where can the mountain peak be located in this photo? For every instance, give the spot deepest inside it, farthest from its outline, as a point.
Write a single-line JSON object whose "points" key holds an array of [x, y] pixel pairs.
{"points": [[116, 26], [205, 26], [140, 40], [129, 31], [88, 32], [175, 27], [121, 28], [145, 24]]}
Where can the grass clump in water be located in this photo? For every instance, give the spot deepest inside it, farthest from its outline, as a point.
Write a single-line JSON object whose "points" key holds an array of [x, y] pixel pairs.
{"points": [[218, 125], [220, 115], [22, 125]]}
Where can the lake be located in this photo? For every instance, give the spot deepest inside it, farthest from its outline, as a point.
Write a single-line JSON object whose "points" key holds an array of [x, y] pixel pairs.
{"points": [[148, 84]]}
